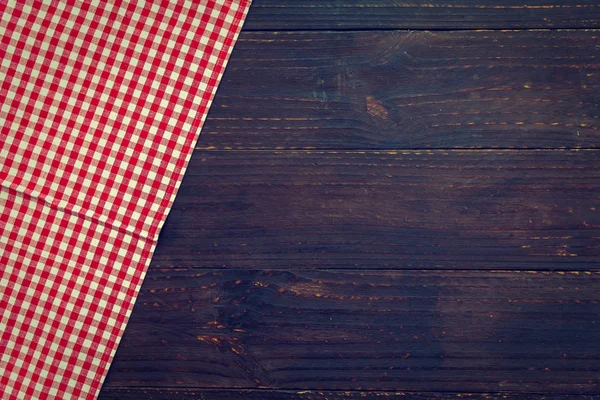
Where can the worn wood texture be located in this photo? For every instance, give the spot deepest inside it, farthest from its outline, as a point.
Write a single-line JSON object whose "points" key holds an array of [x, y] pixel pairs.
{"points": [[484, 209], [231, 394], [336, 254], [421, 14], [463, 331], [379, 90]]}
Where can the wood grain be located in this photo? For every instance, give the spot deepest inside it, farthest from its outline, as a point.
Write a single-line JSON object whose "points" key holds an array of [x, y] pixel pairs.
{"points": [[232, 394], [336, 254], [484, 209], [455, 331], [382, 90], [421, 14]]}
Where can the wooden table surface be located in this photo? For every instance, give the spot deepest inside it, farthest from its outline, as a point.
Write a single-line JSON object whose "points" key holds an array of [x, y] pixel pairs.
{"points": [[389, 199]]}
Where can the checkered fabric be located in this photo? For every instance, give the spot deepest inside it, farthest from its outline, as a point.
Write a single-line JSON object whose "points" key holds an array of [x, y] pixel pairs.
{"points": [[101, 104]]}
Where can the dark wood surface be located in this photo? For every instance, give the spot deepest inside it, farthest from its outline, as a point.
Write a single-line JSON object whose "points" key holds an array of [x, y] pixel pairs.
{"points": [[376, 90], [364, 330], [385, 213], [422, 14], [483, 209], [232, 394]]}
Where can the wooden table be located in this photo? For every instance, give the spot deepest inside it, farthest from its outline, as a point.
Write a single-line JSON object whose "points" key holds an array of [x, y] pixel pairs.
{"points": [[390, 199]]}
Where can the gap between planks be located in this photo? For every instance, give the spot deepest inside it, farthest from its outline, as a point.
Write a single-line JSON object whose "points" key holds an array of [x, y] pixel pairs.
{"points": [[383, 393], [395, 150]]}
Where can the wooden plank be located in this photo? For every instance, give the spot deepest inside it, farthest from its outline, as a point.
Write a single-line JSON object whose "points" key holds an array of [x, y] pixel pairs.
{"points": [[232, 394], [381, 90], [422, 14], [455, 331], [476, 209]]}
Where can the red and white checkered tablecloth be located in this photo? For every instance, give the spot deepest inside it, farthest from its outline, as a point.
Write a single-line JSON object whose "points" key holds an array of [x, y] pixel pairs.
{"points": [[101, 104]]}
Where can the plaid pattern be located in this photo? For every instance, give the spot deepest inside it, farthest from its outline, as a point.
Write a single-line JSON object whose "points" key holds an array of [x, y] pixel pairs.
{"points": [[100, 106]]}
